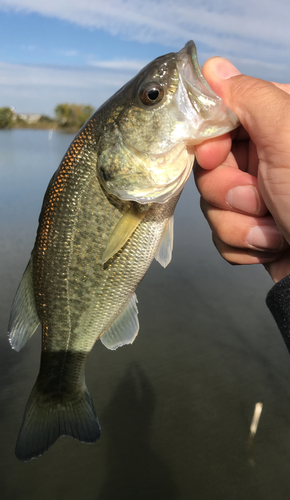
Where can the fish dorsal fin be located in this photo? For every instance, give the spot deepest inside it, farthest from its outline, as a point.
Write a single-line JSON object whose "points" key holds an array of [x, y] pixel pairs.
{"points": [[122, 231], [164, 251], [125, 328], [23, 317]]}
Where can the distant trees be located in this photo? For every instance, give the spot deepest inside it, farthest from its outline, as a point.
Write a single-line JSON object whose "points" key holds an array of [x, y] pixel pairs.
{"points": [[68, 117], [6, 118], [46, 121], [72, 116]]}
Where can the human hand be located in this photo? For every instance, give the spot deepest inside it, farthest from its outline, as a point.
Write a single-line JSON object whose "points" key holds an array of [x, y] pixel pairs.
{"points": [[244, 177]]}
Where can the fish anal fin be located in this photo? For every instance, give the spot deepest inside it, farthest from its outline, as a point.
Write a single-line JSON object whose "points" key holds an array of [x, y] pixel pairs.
{"points": [[24, 319], [122, 232], [164, 251], [124, 329]]}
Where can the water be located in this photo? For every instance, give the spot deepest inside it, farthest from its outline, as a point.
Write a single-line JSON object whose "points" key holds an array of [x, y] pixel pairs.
{"points": [[176, 406]]}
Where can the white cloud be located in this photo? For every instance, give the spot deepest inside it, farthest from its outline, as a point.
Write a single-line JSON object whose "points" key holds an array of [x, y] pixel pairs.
{"points": [[28, 48], [122, 64], [34, 76], [68, 53], [247, 28], [32, 88]]}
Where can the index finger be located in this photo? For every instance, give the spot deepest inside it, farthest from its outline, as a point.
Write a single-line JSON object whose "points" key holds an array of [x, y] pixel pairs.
{"points": [[229, 188], [213, 152]]}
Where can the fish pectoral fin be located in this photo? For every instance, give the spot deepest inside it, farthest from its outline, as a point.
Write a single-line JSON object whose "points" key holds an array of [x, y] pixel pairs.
{"points": [[122, 232], [24, 319], [125, 328], [164, 251]]}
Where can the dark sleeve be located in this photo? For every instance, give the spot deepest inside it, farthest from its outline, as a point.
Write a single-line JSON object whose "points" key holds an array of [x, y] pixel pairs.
{"points": [[278, 301]]}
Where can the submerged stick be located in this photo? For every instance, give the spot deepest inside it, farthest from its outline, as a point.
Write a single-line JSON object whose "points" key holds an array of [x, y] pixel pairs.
{"points": [[256, 418], [253, 430]]}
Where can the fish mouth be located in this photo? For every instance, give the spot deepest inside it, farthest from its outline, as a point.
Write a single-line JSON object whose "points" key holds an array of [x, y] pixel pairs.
{"points": [[203, 108], [191, 72]]}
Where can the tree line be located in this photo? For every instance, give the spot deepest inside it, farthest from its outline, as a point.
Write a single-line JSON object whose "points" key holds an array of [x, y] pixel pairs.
{"points": [[67, 117]]}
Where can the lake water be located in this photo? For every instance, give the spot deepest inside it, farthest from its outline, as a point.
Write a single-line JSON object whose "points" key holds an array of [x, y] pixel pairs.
{"points": [[176, 406]]}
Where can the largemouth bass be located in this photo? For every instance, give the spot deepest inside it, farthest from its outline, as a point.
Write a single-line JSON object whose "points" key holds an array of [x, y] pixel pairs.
{"points": [[107, 212]]}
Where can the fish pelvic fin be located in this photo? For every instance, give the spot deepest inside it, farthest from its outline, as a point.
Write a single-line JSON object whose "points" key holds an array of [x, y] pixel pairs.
{"points": [[47, 418], [24, 319]]}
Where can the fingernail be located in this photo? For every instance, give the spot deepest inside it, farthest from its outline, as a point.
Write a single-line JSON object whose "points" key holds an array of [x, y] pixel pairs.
{"points": [[244, 198], [223, 68], [264, 237]]}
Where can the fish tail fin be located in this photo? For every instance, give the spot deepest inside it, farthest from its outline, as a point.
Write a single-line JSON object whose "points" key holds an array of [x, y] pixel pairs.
{"points": [[47, 418]]}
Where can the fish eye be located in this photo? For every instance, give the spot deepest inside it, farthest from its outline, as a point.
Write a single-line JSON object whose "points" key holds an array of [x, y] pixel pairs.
{"points": [[152, 94]]}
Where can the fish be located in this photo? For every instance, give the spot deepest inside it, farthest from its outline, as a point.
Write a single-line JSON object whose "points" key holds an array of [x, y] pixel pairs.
{"points": [[107, 213]]}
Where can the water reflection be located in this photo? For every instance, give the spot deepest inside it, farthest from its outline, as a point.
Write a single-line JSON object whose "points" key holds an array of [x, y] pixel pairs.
{"points": [[134, 470], [175, 423]]}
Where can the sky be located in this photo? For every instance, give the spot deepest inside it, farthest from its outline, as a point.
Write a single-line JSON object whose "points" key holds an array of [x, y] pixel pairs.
{"points": [[56, 51]]}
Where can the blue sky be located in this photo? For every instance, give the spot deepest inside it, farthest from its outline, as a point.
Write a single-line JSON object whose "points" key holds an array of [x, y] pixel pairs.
{"points": [[56, 51]]}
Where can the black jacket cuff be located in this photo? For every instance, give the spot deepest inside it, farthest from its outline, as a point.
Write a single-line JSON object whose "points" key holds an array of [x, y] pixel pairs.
{"points": [[278, 301]]}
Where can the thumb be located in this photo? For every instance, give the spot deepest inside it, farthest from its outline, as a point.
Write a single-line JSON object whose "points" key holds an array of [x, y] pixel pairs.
{"points": [[264, 111]]}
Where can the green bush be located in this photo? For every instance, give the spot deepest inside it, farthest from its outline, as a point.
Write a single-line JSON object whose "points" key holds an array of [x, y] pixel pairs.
{"points": [[72, 115], [6, 118]]}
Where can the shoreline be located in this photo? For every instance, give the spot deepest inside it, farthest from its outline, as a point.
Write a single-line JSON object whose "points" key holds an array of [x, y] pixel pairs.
{"points": [[69, 130]]}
